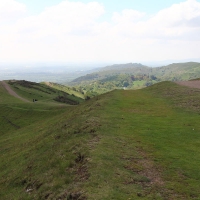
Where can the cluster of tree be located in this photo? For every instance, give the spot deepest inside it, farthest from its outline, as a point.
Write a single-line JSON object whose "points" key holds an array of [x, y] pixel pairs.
{"points": [[133, 76], [119, 81]]}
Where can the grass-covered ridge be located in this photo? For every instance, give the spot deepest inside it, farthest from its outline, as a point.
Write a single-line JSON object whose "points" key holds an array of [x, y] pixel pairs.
{"points": [[141, 144], [42, 92]]}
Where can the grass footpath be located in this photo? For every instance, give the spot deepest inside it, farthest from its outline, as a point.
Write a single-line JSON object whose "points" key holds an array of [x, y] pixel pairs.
{"points": [[141, 144], [149, 146]]}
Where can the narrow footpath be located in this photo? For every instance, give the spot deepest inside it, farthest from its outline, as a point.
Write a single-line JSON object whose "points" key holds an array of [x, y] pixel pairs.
{"points": [[12, 92]]}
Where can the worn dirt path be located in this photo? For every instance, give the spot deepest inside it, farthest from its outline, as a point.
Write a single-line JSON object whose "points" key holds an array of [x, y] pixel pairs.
{"points": [[12, 92], [192, 84]]}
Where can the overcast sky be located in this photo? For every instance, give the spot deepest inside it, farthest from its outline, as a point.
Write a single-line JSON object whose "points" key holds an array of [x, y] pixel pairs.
{"points": [[99, 31]]}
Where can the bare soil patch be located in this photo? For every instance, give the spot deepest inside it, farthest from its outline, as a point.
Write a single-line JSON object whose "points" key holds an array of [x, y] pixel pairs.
{"points": [[150, 177], [145, 167], [191, 84], [12, 92]]}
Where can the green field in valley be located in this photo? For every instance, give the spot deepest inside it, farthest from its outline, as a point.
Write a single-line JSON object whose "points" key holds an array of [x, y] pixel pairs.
{"points": [[125, 144]]}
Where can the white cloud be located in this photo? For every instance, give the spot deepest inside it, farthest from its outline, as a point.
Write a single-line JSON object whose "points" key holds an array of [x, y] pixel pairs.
{"points": [[127, 15], [72, 31], [11, 9], [183, 14], [64, 18], [179, 20]]}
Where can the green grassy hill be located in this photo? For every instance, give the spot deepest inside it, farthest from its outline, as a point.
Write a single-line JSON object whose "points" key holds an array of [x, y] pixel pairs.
{"points": [[178, 71], [141, 144], [42, 93]]}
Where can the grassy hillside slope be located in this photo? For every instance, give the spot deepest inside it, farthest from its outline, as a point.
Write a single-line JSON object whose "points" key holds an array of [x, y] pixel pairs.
{"points": [[69, 90], [141, 144], [42, 93], [178, 71]]}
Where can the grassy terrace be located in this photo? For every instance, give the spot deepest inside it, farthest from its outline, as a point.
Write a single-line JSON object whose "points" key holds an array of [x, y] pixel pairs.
{"points": [[141, 144]]}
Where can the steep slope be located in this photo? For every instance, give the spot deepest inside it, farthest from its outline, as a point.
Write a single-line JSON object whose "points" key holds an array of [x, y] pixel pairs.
{"points": [[141, 144], [69, 90]]}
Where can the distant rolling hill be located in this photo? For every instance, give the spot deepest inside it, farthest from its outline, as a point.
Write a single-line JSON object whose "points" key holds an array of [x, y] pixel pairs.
{"points": [[178, 71], [108, 71], [134, 76]]}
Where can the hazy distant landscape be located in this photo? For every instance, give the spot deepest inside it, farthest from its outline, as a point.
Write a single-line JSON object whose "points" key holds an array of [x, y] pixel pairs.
{"points": [[97, 81], [94, 81], [54, 72], [58, 72]]}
